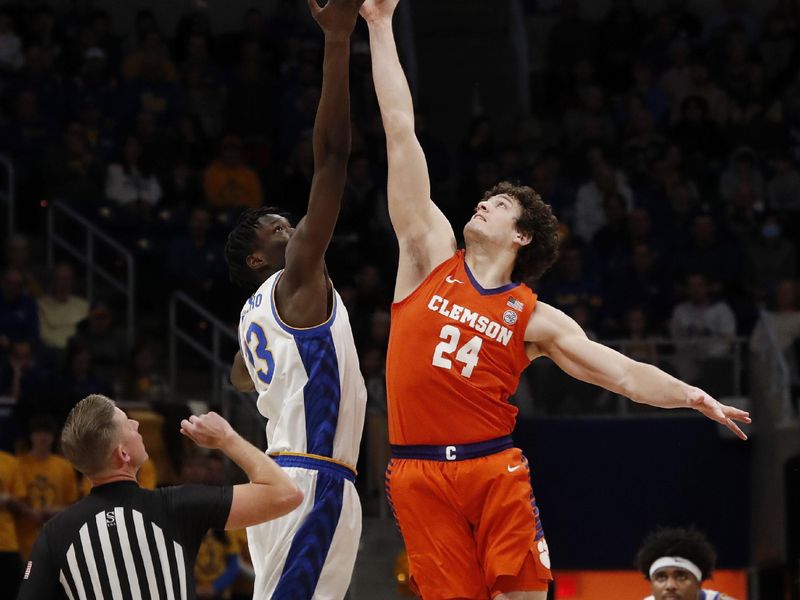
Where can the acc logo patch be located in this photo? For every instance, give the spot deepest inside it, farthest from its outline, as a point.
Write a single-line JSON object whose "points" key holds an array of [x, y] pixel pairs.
{"points": [[509, 317]]}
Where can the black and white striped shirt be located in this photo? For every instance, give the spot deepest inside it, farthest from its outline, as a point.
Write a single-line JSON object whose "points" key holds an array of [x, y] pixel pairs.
{"points": [[123, 542]]}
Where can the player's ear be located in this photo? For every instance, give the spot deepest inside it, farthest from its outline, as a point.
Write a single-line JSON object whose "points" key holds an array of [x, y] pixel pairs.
{"points": [[523, 239], [255, 261]]}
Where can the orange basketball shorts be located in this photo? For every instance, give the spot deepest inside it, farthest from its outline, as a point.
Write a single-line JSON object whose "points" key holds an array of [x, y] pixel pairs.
{"points": [[471, 527]]}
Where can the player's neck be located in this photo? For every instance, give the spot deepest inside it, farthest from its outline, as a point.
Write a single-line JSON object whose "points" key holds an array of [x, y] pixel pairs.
{"points": [[490, 268]]}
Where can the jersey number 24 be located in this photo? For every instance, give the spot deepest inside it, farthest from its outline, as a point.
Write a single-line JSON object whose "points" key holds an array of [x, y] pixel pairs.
{"points": [[467, 354]]}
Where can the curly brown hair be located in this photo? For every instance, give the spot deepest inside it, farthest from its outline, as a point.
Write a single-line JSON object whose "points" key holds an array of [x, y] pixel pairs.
{"points": [[537, 220]]}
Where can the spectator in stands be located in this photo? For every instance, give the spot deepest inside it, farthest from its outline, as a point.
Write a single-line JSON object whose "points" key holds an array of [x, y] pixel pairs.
{"points": [[228, 182], [742, 169], [702, 86], [141, 381], [251, 107], [676, 562], [131, 182], [547, 179], [49, 480], [777, 44], [204, 88], [72, 170], [18, 256], [104, 339], [10, 44], [768, 258], [23, 379], [60, 310], [217, 563], [151, 61], [572, 284], [78, 379], [12, 492], [19, 314], [639, 344], [643, 283], [699, 138], [590, 121], [781, 320], [201, 253], [26, 136], [700, 317], [702, 330], [706, 253], [605, 181], [783, 191]]}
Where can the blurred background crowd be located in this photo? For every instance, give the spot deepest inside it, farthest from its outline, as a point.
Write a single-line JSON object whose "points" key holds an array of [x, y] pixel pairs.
{"points": [[667, 140]]}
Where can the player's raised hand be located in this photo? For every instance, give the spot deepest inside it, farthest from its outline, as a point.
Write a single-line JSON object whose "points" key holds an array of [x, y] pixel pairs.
{"points": [[374, 10], [721, 413], [208, 431], [337, 18]]}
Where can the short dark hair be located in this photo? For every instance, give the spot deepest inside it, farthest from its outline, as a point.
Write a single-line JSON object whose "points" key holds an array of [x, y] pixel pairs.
{"points": [[537, 220], [239, 245], [675, 541]]}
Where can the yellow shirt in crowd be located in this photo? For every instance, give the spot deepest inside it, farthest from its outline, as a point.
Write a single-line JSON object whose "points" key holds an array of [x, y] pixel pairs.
{"points": [[213, 555], [48, 482], [10, 484]]}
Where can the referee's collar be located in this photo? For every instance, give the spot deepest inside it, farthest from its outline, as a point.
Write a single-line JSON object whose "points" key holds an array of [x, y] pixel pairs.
{"points": [[122, 483]]}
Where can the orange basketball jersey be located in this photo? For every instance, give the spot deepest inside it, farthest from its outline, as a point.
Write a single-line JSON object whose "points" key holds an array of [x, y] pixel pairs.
{"points": [[456, 352]]}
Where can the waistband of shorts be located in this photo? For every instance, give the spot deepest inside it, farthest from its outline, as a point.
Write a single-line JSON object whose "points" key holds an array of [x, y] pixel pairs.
{"points": [[315, 462], [453, 452]]}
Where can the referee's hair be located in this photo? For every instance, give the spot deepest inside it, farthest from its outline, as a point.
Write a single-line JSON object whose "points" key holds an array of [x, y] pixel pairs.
{"points": [[686, 543], [89, 434]]}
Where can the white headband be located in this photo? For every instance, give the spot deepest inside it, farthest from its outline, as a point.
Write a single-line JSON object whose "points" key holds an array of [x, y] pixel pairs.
{"points": [[676, 561]]}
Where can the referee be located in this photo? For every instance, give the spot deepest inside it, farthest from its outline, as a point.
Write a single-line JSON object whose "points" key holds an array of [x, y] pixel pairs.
{"points": [[123, 542]]}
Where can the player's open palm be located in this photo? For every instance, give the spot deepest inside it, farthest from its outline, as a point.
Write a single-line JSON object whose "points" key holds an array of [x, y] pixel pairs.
{"points": [[373, 10], [337, 18], [721, 413], [208, 431]]}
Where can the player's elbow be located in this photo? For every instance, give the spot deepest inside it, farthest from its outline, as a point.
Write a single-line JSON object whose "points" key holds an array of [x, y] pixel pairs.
{"points": [[290, 498], [630, 378], [398, 125]]}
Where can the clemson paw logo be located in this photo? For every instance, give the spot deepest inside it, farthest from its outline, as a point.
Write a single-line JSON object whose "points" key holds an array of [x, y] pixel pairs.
{"points": [[544, 553]]}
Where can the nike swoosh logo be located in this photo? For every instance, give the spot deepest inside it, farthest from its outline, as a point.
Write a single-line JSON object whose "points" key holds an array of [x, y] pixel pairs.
{"points": [[512, 469], [451, 279]]}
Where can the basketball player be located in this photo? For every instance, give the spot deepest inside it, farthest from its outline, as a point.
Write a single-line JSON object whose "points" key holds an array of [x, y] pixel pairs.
{"points": [[464, 327], [676, 561], [297, 351]]}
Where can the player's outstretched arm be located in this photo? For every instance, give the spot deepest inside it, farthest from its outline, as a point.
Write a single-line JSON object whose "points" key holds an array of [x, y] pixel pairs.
{"points": [[305, 269], [423, 232], [552, 333]]}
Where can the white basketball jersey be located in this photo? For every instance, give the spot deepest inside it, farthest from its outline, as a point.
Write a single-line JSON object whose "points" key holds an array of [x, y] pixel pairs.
{"points": [[309, 383]]}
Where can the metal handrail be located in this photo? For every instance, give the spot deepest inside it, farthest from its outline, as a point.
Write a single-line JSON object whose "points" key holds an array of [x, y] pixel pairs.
{"points": [[126, 286], [10, 194], [219, 364]]}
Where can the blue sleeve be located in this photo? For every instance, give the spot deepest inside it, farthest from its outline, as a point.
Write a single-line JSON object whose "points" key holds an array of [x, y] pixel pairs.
{"points": [[224, 581]]}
